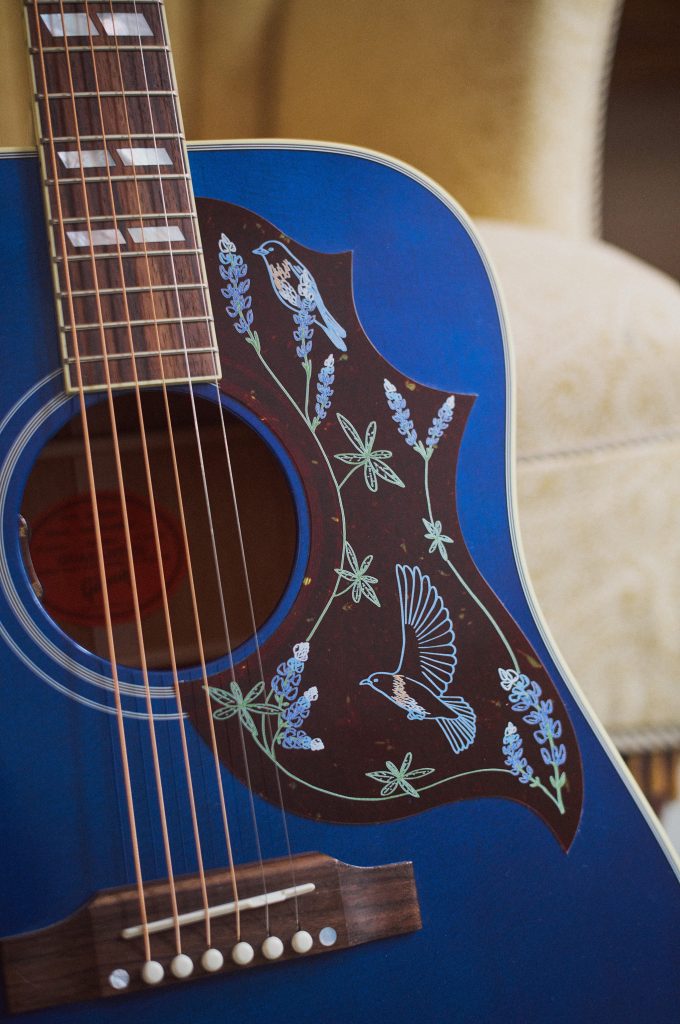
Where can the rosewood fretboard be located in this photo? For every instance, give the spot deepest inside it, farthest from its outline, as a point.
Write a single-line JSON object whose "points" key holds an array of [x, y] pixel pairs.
{"points": [[128, 267]]}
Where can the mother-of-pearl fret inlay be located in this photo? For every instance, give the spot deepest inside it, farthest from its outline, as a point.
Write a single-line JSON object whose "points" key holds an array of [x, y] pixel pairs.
{"points": [[144, 156], [105, 236], [74, 24], [157, 234], [86, 158], [125, 24]]}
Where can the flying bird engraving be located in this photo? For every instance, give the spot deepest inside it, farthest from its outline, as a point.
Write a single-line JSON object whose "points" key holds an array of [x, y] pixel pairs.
{"points": [[293, 283], [420, 683]]}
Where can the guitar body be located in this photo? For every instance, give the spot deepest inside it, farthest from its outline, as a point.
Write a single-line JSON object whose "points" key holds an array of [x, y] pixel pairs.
{"points": [[556, 900]]}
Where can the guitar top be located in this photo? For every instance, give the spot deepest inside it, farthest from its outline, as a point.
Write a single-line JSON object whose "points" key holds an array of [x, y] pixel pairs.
{"points": [[261, 595]]}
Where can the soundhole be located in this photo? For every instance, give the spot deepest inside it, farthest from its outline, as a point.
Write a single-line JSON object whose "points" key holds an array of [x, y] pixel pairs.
{"points": [[58, 509]]}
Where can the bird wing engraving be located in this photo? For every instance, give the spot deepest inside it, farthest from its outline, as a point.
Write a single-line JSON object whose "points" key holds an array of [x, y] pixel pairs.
{"points": [[428, 651], [330, 326], [461, 730]]}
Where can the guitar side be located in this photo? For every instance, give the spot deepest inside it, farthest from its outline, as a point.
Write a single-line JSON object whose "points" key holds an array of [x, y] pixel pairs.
{"points": [[512, 925]]}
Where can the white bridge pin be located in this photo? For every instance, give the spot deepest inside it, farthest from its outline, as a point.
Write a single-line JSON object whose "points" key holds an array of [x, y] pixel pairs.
{"points": [[182, 965], [212, 960], [302, 942], [242, 953], [152, 972], [272, 947]]}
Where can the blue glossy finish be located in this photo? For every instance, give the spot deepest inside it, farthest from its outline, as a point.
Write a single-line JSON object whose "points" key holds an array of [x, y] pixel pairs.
{"points": [[514, 929]]}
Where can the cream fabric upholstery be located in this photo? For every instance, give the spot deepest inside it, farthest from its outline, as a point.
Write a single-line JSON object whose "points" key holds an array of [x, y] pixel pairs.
{"points": [[597, 348]]}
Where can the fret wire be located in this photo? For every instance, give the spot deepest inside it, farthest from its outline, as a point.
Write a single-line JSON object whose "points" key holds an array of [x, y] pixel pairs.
{"points": [[42, 3], [103, 217], [109, 94], [110, 137], [115, 357], [126, 255], [140, 323], [104, 47], [155, 382], [87, 293], [116, 177]]}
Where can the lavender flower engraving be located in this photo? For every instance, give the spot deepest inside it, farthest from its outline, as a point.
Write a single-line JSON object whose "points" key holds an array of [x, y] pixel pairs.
{"points": [[441, 422], [514, 754], [324, 390], [304, 318], [434, 531], [295, 738], [282, 700], [294, 709], [402, 417], [286, 681], [402, 414], [233, 270], [525, 696]]}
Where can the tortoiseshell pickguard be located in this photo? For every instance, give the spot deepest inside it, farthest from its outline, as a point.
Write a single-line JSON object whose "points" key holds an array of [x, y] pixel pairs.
{"points": [[376, 762]]}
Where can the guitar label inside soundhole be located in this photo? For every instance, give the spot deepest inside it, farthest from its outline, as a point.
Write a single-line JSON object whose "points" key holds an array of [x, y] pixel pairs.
{"points": [[64, 555]]}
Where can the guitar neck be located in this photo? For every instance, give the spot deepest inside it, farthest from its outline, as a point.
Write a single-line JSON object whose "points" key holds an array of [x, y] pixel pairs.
{"points": [[132, 301]]}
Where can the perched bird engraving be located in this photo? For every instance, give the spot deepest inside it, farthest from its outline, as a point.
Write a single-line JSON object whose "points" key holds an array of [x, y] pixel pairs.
{"points": [[420, 683], [293, 284]]}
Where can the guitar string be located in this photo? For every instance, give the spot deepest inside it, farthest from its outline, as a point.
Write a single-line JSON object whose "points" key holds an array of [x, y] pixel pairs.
{"points": [[202, 466], [203, 475], [123, 502], [101, 567], [182, 516], [157, 542], [244, 562]]}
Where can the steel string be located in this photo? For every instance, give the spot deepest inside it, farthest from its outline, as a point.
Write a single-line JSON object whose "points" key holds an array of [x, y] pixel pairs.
{"points": [[244, 563], [179, 131], [182, 515], [161, 569], [93, 493]]}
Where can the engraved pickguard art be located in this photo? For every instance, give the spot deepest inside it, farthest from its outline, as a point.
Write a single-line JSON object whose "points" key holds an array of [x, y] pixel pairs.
{"points": [[398, 681]]}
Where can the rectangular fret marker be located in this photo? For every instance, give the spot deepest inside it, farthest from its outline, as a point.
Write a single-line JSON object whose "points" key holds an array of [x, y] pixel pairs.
{"points": [[75, 24], [145, 156], [156, 234], [72, 159], [125, 25], [106, 236]]}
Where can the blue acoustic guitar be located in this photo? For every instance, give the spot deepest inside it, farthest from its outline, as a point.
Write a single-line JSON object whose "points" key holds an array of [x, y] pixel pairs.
{"points": [[283, 735]]}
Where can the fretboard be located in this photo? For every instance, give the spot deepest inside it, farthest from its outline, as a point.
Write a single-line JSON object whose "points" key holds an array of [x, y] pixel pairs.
{"points": [[132, 299]]}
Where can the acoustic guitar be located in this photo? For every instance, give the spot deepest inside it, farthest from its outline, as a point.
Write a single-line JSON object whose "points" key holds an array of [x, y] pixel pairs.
{"points": [[283, 733]]}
